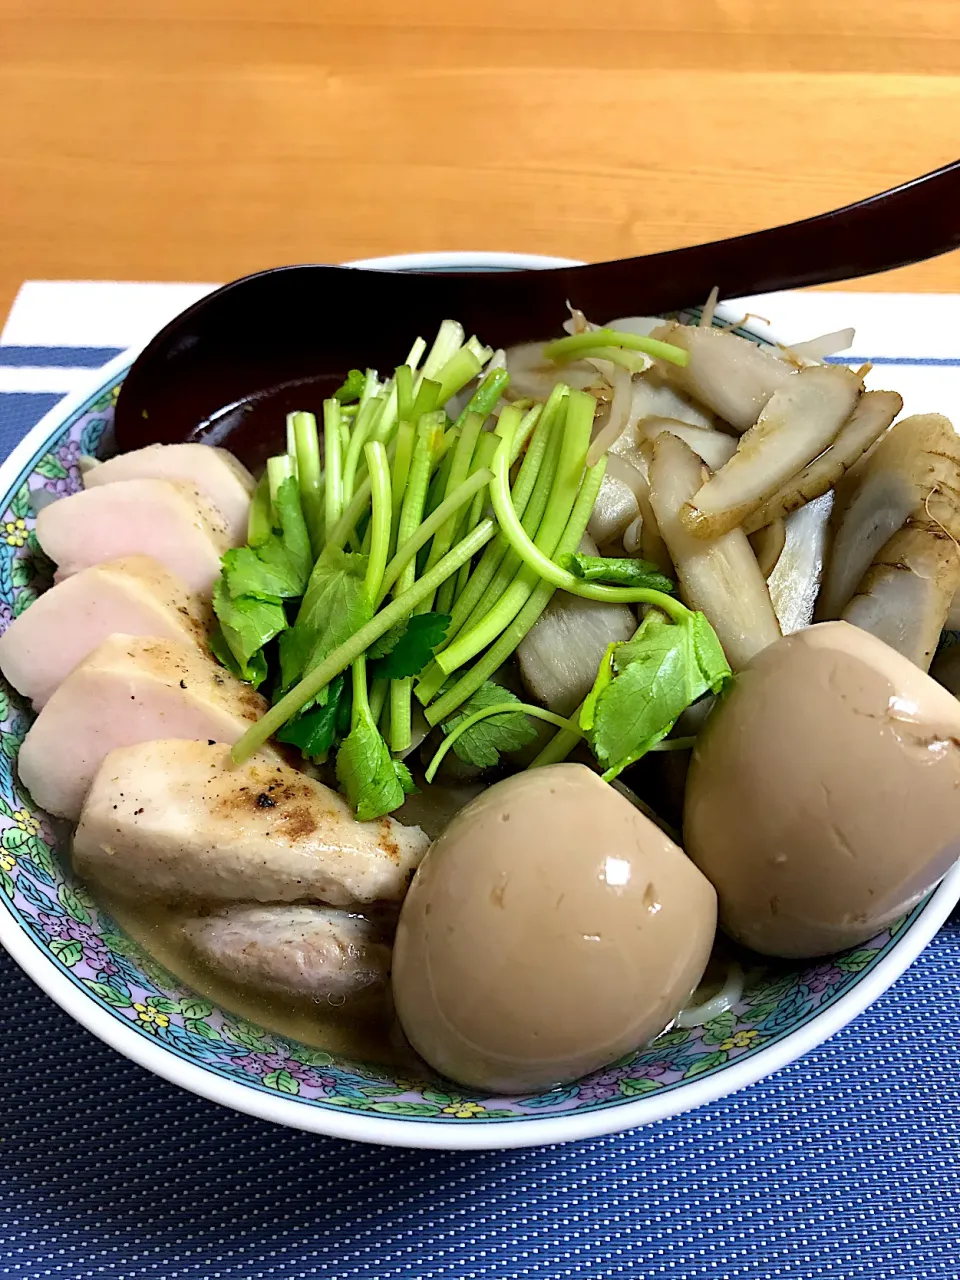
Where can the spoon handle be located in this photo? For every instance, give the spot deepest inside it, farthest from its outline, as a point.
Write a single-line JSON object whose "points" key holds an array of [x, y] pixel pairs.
{"points": [[909, 223]]}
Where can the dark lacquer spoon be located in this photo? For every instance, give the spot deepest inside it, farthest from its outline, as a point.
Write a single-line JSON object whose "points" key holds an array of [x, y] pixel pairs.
{"points": [[229, 369]]}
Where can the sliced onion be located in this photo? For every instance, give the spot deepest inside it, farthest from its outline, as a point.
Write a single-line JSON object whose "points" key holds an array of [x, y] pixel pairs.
{"points": [[577, 322], [632, 536], [619, 468], [730, 994], [709, 309], [531, 374], [617, 419], [827, 344]]}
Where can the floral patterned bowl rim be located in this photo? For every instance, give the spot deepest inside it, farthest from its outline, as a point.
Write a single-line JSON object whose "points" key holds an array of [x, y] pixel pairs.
{"points": [[56, 934]]}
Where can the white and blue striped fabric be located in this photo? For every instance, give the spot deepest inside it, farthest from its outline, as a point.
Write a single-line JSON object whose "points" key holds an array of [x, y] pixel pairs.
{"points": [[844, 1165]]}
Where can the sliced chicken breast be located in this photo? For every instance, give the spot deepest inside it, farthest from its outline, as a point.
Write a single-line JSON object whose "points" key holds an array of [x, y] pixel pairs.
{"points": [[134, 596], [130, 689], [174, 821], [223, 481], [169, 521], [326, 955]]}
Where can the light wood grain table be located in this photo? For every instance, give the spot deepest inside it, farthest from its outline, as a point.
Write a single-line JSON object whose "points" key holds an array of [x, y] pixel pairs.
{"points": [[201, 139]]}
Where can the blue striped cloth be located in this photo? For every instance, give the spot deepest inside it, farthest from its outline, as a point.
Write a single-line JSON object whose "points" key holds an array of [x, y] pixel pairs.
{"points": [[846, 1164]]}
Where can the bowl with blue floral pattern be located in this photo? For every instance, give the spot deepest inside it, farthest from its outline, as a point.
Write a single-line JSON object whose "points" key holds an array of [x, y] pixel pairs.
{"points": [[55, 929]]}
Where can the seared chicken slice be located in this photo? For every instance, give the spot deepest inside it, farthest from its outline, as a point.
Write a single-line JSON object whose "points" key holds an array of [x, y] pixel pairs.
{"points": [[135, 596], [326, 955], [215, 473], [130, 689], [170, 522], [174, 821]]}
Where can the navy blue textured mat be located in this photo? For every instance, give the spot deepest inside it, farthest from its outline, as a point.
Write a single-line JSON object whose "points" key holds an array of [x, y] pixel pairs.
{"points": [[846, 1165]]}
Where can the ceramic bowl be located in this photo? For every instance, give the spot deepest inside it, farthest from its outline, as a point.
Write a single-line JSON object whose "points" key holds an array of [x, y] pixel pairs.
{"points": [[54, 929]]}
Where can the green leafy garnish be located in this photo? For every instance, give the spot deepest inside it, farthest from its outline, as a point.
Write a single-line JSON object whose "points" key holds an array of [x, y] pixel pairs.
{"points": [[482, 744], [373, 782], [352, 389], [335, 607], [254, 670], [315, 731], [406, 649], [617, 571], [645, 683], [247, 623]]}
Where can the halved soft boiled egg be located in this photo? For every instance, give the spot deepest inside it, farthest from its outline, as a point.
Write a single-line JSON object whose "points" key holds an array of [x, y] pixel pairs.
{"points": [[550, 929], [823, 797]]}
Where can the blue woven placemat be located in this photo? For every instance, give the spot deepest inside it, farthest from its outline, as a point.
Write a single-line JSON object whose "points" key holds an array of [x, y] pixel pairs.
{"points": [[846, 1164]]}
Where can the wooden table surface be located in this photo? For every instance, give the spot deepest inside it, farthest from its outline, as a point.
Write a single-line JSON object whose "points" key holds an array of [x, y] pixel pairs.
{"points": [[201, 139]]}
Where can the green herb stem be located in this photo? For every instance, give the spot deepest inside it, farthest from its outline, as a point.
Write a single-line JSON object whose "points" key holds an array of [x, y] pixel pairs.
{"points": [[360, 641], [502, 648], [572, 452], [260, 519], [378, 697], [406, 437], [460, 369], [378, 470], [450, 506], [426, 400], [404, 381], [460, 460], [360, 709], [415, 495], [484, 399], [367, 416], [581, 344], [401, 714], [498, 709], [332, 467], [447, 343], [541, 563], [306, 441], [473, 598], [500, 564], [278, 470]]}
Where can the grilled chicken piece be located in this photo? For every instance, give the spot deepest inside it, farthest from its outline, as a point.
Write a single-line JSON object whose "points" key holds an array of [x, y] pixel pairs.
{"points": [[169, 521], [224, 482], [130, 689], [326, 955], [135, 596], [174, 821], [733, 377]]}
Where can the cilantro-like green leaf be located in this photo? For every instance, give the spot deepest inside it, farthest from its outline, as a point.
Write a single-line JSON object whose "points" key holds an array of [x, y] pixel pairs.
{"points": [[254, 671], [277, 567], [247, 623], [371, 779], [335, 606], [482, 743], [315, 731], [294, 535], [406, 649], [352, 389], [268, 575], [645, 683], [622, 571]]}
